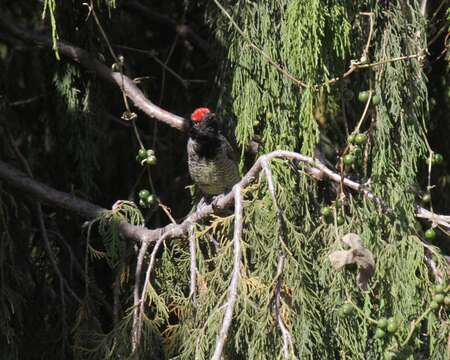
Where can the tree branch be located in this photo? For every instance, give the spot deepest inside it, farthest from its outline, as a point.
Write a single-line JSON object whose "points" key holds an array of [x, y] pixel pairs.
{"points": [[87, 210], [232, 291], [85, 59]]}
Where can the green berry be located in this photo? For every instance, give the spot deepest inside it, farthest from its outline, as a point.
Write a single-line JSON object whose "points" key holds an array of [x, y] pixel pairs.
{"points": [[382, 323], [347, 309], [151, 199], [142, 153], [379, 334], [440, 288], [439, 298], [144, 194], [430, 234], [360, 139], [151, 160], [392, 327], [149, 153], [426, 198], [326, 211], [376, 99], [349, 159], [434, 305], [269, 116], [338, 203], [351, 139], [142, 203], [340, 220], [438, 159], [363, 96]]}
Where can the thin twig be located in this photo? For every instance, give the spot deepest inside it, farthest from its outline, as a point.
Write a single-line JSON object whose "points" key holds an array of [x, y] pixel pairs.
{"points": [[193, 266], [252, 45], [235, 277], [363, 116], [140, 318], [163, 64], [355, 65], [137, 281]]}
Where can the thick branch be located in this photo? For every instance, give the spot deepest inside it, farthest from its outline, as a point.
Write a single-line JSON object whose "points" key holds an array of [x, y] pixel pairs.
{"points": [[48, 195], [44, 193], [91, 64]]}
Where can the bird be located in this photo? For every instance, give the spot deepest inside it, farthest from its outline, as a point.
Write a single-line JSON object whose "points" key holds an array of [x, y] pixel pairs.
{"points": [[212, 161]]}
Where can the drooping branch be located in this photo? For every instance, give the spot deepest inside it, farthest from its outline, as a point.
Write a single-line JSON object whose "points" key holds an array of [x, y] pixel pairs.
{"points": [[85, 59], [139, 313], [236, 274]]}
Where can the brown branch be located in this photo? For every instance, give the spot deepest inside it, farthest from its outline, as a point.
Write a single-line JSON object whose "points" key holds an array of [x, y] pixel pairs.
{"points": [[86, 60], [87, 210]]}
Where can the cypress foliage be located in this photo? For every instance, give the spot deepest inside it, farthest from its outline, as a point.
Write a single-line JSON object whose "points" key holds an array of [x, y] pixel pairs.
{"points": [[276, 82]]}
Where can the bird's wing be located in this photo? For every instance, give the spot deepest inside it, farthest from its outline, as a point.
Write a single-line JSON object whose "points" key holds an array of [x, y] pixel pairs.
{"points": [[229, 150]]}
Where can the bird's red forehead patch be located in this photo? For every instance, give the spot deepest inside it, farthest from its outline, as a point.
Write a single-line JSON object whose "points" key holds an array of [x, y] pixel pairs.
{"points": [[198, 114]]}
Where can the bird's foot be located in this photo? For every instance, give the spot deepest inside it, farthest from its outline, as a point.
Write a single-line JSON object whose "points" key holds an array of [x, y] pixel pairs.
{"points": [[215, 201], [201, 203]]}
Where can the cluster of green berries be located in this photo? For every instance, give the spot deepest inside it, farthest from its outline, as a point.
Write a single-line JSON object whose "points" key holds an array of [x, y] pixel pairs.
{"points": [[146, 157], [384, 326], [355, 155], [441, 296], [363, 96], [146, 199], [327, 213]]}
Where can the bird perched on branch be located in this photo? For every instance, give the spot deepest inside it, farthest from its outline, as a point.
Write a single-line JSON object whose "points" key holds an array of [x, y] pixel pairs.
{"points": [[212, 161]]}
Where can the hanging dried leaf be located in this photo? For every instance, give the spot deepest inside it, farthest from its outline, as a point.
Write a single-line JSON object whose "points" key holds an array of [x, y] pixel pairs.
{"points": [[358, 255]]}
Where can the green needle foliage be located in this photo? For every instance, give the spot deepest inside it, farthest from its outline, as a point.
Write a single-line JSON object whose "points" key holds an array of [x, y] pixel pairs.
{"points": [[275, 66]]}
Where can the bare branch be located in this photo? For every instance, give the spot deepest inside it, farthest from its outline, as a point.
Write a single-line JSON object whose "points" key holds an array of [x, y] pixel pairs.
{"points": [[44, 193], [86, 60], [137, 322], [135, 335], [232, 291]]}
